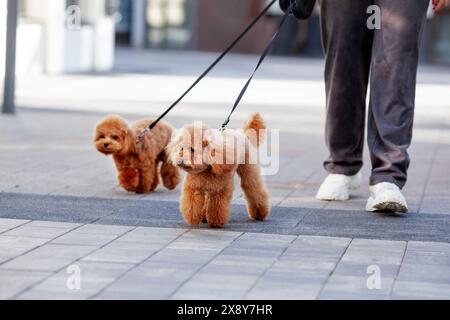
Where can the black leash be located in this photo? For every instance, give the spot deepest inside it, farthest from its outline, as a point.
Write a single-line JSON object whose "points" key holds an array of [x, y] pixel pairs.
{"points": [[227, 50], [261, 59]]}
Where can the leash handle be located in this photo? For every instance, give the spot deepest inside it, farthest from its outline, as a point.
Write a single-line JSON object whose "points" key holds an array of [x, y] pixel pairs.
{"points": [[218, 59], [261, 59]]}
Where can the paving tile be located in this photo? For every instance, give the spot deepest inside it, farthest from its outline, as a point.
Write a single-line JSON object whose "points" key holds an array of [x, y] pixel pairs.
{"points": [[226, 278], [184, 257], [277, 286], [26, 243], [358, 269], [152, 235], [93, 278], [317, 266], [49, 257], [52, 224], [411, 290], [14, 281], [125, 251], [137, 245], [111, 254], [350, 287], [165, 271], [212, 289], [84, 239], [11, 223], [11, 247], [424, 253], [152, 281], [375, 251], [104, 229], [424, 247], [37, 232], [428, 273]]}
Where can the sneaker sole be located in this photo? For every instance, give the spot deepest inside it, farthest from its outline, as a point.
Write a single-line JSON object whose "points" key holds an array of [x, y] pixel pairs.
{"points": [[390, 207]]}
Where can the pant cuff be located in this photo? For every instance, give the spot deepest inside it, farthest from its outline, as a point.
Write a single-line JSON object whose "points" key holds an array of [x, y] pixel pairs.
{"points": [[386, 178], [345, 170]]}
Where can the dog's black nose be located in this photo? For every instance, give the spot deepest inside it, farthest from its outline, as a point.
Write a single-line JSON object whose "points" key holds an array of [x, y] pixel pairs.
{"points": [[106, 144]]}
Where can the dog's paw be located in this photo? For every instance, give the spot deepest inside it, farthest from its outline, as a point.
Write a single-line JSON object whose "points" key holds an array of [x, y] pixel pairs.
{"points": [[215, 225], [170, 181], [259, 212], [216, 221]]}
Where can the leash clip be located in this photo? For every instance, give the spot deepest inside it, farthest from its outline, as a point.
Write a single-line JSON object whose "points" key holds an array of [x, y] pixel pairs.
{"points": [[224, 125], [140, 137]]}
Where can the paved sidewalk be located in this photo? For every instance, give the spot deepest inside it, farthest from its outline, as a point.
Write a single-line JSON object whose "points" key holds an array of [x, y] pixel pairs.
{"points": [[38, 259], [60, 204], [47, 151]]}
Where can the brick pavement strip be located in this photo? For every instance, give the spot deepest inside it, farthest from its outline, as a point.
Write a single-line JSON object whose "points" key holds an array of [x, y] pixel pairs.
{"points": [[159, 263]]}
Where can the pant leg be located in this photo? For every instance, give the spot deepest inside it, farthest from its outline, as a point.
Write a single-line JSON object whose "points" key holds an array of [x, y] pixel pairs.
{"points": [[393, 83], [347, 44]]}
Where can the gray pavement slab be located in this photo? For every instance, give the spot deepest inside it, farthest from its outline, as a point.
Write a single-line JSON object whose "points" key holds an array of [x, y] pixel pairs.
{"points": [[93, 278], [14, 281], [421, 291], [172, 263], [37, 231], [7, 224], [50, 258]]}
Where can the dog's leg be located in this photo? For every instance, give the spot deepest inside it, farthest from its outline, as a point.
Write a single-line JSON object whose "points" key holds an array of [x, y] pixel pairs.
{"points": [[255, 191], [170, 174], [218, 207], [148, 178], [129, 178], [192, 204]]}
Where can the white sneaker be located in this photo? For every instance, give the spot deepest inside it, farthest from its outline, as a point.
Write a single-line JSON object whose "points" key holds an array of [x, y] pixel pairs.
{"points": [[386, 197], [336, 187]]}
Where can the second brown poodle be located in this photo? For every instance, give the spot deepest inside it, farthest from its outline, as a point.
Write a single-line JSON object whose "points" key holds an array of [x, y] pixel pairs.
{"points": [[210, 159], [138, 167]]}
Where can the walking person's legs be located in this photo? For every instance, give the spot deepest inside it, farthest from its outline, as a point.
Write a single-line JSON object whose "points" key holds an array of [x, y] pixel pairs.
{"points": [[391, 110], [347, 44]]}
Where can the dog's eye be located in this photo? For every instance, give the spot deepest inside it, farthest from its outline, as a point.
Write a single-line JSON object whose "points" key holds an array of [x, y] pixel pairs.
{"points": [[115, 137], [101, 137]]}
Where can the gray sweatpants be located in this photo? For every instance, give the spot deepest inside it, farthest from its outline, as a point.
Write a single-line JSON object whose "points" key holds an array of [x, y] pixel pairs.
{"points": [[390, 55]]}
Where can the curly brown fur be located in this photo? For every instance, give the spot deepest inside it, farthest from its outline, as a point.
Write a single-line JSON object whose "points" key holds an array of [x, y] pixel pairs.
{"points": [[208, 185], [137, 167]]}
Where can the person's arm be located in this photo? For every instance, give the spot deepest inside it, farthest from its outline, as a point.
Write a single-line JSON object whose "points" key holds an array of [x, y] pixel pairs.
{"points": [[438, 5]]}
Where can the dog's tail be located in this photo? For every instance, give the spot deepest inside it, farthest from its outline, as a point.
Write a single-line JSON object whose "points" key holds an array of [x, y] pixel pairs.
{"points": [[254, 129]]}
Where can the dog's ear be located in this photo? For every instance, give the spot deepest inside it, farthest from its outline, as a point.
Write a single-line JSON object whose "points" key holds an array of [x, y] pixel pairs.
{"points": [[129, 141], [173, 144], [176, 136]]}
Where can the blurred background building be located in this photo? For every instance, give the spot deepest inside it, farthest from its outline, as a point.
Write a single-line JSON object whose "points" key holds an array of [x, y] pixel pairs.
{"points": [[211, 24], [59, 36]]}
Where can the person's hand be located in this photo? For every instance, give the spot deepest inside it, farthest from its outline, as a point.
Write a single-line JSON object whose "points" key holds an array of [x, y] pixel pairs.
{"points": [[438, 5]]}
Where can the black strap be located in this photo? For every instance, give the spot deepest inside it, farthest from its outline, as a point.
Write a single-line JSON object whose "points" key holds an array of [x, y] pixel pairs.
{"points": [[261, 59], [231, 46]]}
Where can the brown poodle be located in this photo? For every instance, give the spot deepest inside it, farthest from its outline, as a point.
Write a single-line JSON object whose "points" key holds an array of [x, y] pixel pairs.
{"points": [[210, 159], [137, 167]]}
